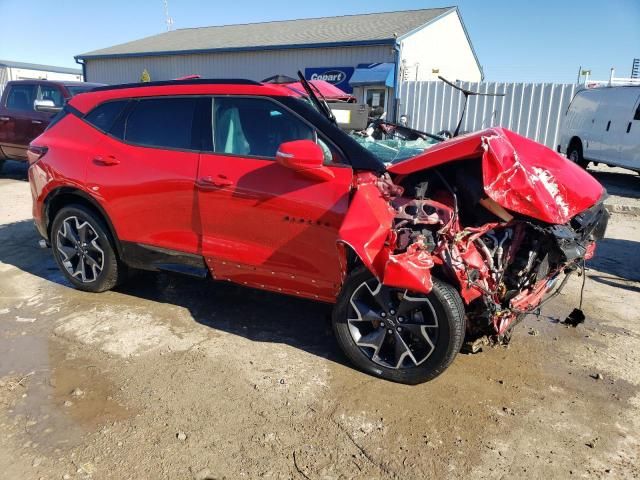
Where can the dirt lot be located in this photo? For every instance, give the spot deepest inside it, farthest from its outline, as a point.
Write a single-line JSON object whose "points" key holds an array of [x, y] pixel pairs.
{"points": [[169, 377]]}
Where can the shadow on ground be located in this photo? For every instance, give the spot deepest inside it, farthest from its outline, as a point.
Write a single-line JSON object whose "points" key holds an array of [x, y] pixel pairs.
{"points": [[14, 170], [254, 314], [619, 183], [617, 257]]}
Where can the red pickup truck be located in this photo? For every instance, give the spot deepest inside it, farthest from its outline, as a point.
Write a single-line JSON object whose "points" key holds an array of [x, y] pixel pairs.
{"points": [[26, 107]]}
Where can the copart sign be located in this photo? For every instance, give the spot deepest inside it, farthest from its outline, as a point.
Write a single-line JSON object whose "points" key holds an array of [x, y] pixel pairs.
{"points": [[338, 76]]}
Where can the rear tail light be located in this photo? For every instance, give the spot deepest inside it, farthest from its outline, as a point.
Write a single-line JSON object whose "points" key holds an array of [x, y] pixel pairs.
{"points": [[35, 153]]}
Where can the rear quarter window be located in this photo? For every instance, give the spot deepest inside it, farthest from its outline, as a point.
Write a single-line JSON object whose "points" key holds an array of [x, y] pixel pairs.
{"points": [[104, 116]]}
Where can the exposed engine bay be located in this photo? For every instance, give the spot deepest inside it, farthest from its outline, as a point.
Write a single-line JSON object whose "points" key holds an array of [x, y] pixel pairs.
{"points": [[499, 222]]}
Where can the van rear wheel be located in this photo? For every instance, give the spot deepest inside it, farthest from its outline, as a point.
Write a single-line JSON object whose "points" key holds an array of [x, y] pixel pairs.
{"points": [[574, 153]]}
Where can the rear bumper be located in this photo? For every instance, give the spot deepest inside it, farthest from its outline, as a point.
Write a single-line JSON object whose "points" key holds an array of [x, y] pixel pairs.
{"points": [[37, 209]]}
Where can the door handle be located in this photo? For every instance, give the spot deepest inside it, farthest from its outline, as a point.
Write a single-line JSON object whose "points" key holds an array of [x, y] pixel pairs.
{"points": [[4, 119], [36, 122], [209, 182], [106, 161]]}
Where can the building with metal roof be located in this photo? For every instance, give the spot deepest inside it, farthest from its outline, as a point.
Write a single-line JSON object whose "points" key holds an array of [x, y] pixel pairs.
{"points": [[10, 70], [364, 54]]}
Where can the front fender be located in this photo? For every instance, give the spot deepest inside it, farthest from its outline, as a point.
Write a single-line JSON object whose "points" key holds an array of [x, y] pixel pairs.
{"points": [[368, 230]]}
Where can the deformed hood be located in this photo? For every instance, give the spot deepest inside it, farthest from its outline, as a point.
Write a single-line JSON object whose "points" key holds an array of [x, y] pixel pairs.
{"points": [[519, 174]]}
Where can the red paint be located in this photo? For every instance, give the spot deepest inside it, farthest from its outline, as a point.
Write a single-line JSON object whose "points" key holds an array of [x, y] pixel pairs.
{"points": [[529, 299], [519, 174], [305, 157], [269, 218], [367, 223], [410, 270]]}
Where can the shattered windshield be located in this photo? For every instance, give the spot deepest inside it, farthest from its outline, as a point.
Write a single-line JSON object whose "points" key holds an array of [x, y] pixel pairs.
{"points": [[394, 150]]}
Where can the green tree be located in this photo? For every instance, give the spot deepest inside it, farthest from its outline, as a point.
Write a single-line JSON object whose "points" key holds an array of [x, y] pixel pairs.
{"points": [[145, 77]]}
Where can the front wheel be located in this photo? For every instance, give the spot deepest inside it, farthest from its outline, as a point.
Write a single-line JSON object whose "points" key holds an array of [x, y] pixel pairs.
{"points": [[395, 334]]}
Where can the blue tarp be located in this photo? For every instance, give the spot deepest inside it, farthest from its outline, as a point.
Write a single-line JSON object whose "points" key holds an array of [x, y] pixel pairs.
{"points": [[373, 74]]}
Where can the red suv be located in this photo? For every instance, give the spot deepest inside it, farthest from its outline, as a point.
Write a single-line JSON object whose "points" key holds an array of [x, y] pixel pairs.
{"points": [[418, 241]]}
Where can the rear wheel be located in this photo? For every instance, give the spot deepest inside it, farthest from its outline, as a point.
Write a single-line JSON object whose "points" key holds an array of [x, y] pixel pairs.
{"points": [[574, 153], [83, 249], [395, 334]]}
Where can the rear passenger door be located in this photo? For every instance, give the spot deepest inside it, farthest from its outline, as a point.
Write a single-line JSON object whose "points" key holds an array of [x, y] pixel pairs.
{"points": [[144, 170], [262, 224]]}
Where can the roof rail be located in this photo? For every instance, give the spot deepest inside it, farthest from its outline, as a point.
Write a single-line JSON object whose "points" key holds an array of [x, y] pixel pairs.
{"points": [[188, 81], [612, 82]]}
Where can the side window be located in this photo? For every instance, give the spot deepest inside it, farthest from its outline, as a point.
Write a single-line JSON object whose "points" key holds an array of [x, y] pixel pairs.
{"points": [[162, 122], [105, 115], [21, 97], [254, 127], [47, 92]]}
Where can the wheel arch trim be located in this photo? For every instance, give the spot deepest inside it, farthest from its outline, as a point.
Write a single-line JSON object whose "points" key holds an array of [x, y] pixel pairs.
{"points": [[84, 197]]}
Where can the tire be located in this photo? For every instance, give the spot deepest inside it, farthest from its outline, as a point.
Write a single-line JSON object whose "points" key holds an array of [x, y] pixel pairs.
{"points": [[1, 163], [431, 332], [574, 153], [102, 270]]}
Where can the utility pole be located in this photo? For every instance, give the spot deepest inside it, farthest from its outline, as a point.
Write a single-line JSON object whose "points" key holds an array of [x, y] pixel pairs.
{"points": [[167, 18], [579, 73]]}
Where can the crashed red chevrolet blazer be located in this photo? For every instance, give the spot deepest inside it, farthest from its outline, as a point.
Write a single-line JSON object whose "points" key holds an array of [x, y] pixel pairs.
{"points": [[419, 244]]}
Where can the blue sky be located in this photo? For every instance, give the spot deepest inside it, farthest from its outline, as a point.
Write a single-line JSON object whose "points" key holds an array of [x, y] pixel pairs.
{"points": [[541, 41]]}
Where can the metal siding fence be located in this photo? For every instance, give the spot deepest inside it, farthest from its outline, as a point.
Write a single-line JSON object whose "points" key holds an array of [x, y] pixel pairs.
{"points": [[533, 110]]}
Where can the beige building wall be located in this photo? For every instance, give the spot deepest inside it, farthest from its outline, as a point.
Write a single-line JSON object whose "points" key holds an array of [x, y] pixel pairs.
{"points": [[442, 45]]}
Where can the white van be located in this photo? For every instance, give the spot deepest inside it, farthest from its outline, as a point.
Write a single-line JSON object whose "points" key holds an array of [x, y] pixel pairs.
{"points": [[602, 125]]}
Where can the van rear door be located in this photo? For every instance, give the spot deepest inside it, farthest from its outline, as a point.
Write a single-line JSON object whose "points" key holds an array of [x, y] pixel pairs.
{"points": [[629, 145]]}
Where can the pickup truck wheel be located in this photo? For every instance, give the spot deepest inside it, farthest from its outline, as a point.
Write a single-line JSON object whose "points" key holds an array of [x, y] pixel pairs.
{"points": [[574, 153], [395, 334], [83, 249]]}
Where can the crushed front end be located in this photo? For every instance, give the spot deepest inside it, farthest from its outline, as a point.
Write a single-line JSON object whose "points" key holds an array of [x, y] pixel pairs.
{"points": [[493, 214]]}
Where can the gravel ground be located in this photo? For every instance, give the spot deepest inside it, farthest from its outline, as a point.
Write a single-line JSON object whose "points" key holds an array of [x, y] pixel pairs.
{"points": [[170, 377]]}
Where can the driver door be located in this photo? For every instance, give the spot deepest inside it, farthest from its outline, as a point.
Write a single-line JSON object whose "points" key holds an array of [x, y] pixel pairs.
{"points": [[262, 224]]}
